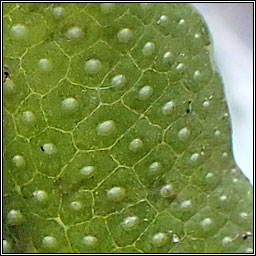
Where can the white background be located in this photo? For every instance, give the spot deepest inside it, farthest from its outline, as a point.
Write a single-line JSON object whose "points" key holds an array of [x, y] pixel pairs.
{"points": [[231, 26]]}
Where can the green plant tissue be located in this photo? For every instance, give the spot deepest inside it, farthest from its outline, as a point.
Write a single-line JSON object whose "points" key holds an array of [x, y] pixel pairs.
{"points": [[116, 133]]}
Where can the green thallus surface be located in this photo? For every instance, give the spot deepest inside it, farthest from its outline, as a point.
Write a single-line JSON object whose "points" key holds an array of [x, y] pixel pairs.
{"points": [[116, 133]]}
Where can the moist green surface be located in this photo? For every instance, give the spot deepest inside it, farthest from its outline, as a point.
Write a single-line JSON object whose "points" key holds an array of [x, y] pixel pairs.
{"points": [[116, 133]]}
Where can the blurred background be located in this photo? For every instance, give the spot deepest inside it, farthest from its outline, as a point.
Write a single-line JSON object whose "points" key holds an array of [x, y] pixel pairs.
{"points": [[231, 26]]}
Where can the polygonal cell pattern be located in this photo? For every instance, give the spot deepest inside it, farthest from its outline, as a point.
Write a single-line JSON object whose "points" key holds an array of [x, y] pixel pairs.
{"points": [[114, 140]]}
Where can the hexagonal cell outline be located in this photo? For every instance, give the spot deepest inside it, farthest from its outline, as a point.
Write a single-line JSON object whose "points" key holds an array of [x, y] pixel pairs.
{"points": [[171, 52], [155, 82], [208, 176], [100, 56], [183, 132], [21, 32], [45, 65], [164, 224], [76, 207], [123, 237], [241, 215], [29, 118], [19, 160], [163, 114], [165, 189], [15, 201], [95, 228], [224, 199], [132, 192], [146, 49], [100, 165], [187, 203], [119, 81], [195, 228], [47, 203], [143, 134], [74, 36], [122, 119], [227, 240], [67, 104], [47, 228], [196, 155], [198, 71], [155, 165], [60, 150], [132, 26]]}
